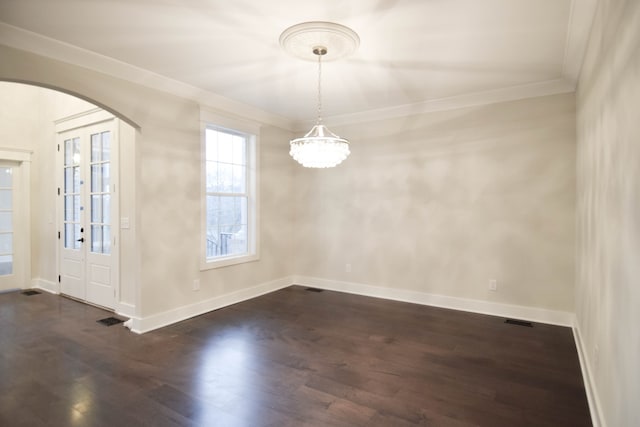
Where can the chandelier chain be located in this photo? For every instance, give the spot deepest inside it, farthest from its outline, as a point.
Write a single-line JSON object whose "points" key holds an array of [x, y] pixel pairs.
{"points": [[319, 88]]}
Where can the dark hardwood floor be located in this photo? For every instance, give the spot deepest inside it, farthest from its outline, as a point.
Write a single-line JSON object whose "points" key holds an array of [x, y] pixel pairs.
{"points": [[290, 358]]}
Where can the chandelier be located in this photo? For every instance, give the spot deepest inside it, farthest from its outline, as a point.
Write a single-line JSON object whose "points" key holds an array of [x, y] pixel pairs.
{"points": [[319, 148]]}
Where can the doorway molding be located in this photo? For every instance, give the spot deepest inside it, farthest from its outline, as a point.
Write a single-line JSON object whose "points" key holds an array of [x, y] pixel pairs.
{"points": [[80, 122], [22, 158]]}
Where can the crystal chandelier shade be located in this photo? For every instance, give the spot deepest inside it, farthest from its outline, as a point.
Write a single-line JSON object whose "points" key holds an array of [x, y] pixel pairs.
{"points": [[319, 148]]}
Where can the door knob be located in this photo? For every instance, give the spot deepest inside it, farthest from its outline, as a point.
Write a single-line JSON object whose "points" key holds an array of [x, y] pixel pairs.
{"points": [[80, 239]]}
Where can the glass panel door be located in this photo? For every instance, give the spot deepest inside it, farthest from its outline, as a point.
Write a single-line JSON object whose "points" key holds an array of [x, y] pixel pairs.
{"points": [[100, 193], [88, 209], [71, 192]]}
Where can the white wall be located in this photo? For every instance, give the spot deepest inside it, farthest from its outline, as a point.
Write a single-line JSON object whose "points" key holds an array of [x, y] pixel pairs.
{"points": [[440, 203], [608, 232], [166, 188], [437, 203], [20, 108], [26, 123]]}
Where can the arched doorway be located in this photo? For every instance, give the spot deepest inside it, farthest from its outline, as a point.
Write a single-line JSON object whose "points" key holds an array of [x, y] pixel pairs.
{"points": [[73, 213]]}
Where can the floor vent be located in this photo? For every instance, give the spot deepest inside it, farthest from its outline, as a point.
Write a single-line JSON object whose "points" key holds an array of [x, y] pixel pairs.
{"points": [[314, 290], [519, 323], [110, 321], [31, 292]]}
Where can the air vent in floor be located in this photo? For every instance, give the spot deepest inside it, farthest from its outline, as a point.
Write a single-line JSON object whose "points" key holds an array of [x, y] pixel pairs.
{"points": [[31, 292], [314, 290], [110, 321], [519, 323]]}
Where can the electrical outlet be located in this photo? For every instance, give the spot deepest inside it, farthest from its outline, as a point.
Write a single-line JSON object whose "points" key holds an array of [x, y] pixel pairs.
{"points": [[347, 268], [196, 285], [493, 285]]}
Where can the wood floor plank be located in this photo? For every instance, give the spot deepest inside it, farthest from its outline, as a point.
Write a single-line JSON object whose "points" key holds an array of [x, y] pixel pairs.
{"points": [[289, 358]]}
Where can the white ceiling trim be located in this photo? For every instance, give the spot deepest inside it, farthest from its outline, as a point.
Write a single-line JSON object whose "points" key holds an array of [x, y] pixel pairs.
{"points": [[577, 35], [551, 87], [578, 30], [29, 41]]}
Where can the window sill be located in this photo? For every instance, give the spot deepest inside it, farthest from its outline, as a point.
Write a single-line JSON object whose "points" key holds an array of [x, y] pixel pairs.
{"points": [[228, 261]]}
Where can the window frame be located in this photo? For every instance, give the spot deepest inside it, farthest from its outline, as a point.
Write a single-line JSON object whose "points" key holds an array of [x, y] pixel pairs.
{"points": [[251, 132]]}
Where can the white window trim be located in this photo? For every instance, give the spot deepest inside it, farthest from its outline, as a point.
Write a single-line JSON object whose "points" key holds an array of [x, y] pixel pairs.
{"points": [[209, 119]]}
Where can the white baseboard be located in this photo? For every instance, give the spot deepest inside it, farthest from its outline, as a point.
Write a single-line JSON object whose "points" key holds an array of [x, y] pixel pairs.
{"points": [[155, 321], [46, 285], [532, 314], [587, 377]]}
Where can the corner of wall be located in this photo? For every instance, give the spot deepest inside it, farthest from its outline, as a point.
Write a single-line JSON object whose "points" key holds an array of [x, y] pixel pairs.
{"points": [[587, 376]]}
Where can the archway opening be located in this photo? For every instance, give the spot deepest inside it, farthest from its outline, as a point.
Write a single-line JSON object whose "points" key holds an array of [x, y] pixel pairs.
{"points": [[78, 153]]}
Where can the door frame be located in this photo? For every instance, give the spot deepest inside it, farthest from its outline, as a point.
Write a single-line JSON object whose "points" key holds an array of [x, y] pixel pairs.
{"points": [[22, 159], [80, 120]]}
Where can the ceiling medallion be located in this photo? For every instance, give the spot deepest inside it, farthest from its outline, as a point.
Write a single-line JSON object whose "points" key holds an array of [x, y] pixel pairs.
{"points": [[311, 41], [299, 40]]}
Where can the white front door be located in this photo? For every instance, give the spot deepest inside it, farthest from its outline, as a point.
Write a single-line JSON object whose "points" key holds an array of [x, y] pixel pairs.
{"points": [[13, 237], [88, 208]]}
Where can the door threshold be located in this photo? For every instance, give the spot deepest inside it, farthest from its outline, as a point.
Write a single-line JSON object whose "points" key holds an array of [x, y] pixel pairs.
{"points": [[88, 303]]}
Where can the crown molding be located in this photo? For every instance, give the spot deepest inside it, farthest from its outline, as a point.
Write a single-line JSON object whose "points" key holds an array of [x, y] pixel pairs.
{"points": [[512, 93], [578, 30], [577, 36], [29, 41]]}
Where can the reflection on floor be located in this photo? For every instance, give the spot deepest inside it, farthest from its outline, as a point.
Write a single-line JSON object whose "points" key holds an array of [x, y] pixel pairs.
{"points": [[289, 358]]}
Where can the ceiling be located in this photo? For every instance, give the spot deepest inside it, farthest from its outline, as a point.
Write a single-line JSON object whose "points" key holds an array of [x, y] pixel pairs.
{"points": [[412, 52]]}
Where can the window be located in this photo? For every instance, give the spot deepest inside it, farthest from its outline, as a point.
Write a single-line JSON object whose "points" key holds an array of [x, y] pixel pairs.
{"points": [[230, 208]]}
